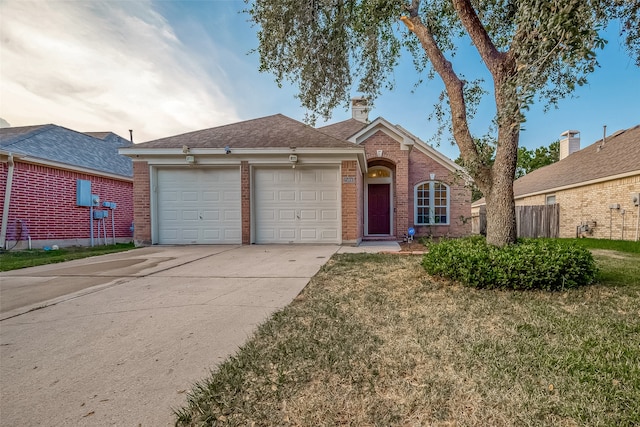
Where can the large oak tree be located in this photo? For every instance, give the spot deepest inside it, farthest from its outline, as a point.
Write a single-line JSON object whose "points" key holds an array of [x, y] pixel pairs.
{"points": [[533, 49]]}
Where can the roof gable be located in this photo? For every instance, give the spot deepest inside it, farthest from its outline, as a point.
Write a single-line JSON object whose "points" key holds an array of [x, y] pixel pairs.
{"points": [[65, 146], [406, 138], [277, 131]]}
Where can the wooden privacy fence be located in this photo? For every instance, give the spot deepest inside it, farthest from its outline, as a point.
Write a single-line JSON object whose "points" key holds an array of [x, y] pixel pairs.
{"points": [[531, 221]]}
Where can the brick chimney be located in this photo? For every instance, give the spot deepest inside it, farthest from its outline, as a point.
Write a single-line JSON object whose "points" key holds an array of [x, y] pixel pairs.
{"points": [[570, 143], [360, 109]]}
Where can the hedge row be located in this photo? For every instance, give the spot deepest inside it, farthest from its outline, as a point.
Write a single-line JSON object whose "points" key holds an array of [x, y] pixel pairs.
{"points": [[545, 264]]}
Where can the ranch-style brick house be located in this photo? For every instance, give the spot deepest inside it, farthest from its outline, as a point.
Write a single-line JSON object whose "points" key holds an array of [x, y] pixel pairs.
{"points": [[277, 180], [40, 167], [596, 188]]}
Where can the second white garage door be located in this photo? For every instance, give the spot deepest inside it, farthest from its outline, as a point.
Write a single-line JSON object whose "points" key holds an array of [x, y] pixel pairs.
{"points": [[198, 206], [297, 205]]}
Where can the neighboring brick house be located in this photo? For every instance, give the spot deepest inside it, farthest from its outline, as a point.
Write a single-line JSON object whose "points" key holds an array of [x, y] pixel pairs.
{"points": [[39, 171], [276, 180], [596, 188]]}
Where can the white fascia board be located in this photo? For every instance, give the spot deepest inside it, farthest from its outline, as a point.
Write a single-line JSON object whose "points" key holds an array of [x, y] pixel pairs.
{"points": [[218, 156], [380, 124], [252, 157], [24, 158], [153, 152]]}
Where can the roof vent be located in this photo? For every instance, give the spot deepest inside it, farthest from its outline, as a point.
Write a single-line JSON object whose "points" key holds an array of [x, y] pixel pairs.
{"points": [[570, 143]]}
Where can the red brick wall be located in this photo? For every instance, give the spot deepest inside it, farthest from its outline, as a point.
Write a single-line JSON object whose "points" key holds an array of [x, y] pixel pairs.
{"points": [[142, 206], [421, 166], [351, 227], [410, 168], [397, 160], [44, 200], [360, 198], [245, 199]]}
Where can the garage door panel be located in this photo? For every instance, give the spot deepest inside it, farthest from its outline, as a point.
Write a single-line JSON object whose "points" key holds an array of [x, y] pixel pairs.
{"points": [[330, 195], [308, 215], [189, 215], [210, 196], [329, 215], [286, 215], [170, 196], [287, 233], [213, 215], [189, 196], [199, 206], [286, 196], [331, 234], [308, 234], [232, 216], [297, 205], [308, 195]]}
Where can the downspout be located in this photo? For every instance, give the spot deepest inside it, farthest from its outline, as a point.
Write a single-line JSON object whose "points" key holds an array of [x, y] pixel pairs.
{"points": [[7, 200]]}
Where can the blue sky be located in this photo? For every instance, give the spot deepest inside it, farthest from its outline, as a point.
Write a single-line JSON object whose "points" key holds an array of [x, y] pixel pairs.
{"points": [[167, 67]]}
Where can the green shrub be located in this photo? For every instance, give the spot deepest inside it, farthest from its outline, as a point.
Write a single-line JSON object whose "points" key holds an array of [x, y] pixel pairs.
{"points": [[545, 264]]}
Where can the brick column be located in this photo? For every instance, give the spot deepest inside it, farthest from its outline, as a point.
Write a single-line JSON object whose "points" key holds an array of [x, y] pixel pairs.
{"points": [[245, 197], [349, 201], [141, 204], [402, 193]]}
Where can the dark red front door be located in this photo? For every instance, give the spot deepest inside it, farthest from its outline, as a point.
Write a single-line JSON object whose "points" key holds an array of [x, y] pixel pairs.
{"points": [[379, 209]]}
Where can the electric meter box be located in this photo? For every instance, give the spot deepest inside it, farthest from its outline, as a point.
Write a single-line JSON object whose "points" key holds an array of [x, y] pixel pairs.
{"points": [[100, 214], [83, 192]]}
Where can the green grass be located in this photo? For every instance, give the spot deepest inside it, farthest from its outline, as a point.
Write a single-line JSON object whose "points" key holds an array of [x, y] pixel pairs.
{"points": [[614, 245], [14, 260], [374, 340]]}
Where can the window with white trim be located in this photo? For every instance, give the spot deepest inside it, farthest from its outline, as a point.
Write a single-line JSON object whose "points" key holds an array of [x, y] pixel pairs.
{"points": [[431, 203]]}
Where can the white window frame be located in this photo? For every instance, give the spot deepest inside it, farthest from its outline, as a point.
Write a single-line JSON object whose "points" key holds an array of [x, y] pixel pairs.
{"points": [[550, 199], [431, 205]]}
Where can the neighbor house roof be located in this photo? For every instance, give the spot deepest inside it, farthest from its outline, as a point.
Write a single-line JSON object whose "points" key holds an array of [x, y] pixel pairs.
{"points": [[62, 146], [277, 131], [619, 155]]}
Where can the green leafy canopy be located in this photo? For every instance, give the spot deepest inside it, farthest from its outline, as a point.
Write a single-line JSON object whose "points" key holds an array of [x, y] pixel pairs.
{"points": [[324, 46]]}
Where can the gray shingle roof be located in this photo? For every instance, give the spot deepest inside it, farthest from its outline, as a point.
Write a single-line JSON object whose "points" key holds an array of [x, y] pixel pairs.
{"points": [[111, 137], [62, 145], [619, 155], [277, 131], [344, 129]]}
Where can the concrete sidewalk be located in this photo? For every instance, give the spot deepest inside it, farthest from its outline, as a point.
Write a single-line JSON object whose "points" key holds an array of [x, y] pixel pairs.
{"points": [[125, 350]]}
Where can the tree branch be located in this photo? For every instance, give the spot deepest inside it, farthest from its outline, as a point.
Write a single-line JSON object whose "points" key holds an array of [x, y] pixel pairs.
{"points": [[491, 56], [455, 91]]}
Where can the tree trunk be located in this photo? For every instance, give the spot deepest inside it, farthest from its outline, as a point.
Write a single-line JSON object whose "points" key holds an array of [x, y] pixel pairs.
{"points": [[501, 213], [501, 210]]}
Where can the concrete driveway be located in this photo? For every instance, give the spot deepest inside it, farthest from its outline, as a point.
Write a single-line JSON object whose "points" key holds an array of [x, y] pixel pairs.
{"points": [[122, 337]]}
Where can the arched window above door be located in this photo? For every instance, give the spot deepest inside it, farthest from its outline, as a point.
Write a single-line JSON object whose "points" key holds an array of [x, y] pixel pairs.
{"points": [[378, 172]]}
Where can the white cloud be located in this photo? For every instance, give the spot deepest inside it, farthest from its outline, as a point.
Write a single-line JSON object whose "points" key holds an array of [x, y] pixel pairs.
{"points": [[94, 66]]}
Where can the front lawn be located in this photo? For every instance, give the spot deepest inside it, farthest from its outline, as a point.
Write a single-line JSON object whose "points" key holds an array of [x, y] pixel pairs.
{"points": [[13, 260], [373, 340]]}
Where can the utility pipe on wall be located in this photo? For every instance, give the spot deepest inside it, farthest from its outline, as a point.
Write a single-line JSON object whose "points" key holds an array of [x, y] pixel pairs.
{"points": [[7, 201]]}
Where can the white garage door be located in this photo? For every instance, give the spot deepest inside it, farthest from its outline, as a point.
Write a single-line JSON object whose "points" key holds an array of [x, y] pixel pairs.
{"points": [[198, 206], [297, 205]]}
